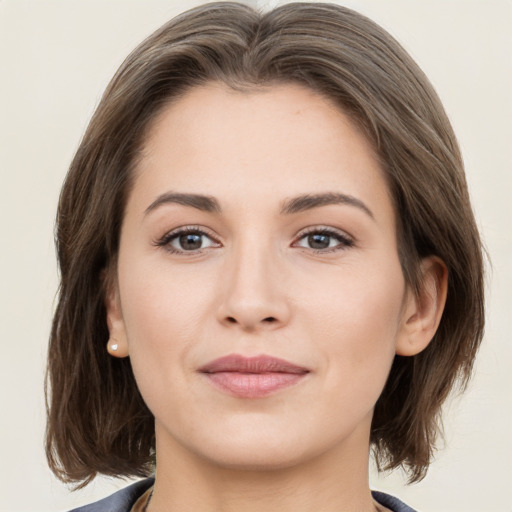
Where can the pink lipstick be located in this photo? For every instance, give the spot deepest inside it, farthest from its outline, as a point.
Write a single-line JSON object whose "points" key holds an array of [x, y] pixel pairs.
{"points": [[252, 377]]}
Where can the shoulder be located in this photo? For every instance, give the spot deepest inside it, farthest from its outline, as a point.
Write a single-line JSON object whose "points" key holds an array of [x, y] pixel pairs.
{"points": [[391, 502], [120, 501]]}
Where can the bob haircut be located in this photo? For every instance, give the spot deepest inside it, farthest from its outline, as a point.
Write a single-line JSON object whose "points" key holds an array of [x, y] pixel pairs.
{"points": [[97, 419]]}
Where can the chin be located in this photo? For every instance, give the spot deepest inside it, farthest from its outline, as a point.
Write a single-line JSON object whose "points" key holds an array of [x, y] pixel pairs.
{"points": [[252, 449]]}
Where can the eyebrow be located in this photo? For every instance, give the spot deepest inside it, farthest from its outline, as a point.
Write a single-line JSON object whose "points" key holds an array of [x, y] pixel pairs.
{"points": [[198, 201], [308, 201], [290, 206]]}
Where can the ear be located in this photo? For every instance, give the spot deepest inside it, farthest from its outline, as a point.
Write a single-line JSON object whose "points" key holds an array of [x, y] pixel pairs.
{"points": [[422, 312], [117, 345]]}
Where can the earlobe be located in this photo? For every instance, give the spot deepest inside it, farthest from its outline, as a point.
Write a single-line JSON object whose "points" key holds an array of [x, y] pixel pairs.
{"points": [[115, 349], [117, 345], [423, 311]]}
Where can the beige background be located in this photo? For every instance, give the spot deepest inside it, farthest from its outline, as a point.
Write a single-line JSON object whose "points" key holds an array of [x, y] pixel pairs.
{"points": [[57, 56]]}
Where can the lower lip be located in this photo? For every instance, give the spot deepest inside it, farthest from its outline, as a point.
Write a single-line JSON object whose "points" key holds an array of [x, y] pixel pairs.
{"points": [[253, 385]]}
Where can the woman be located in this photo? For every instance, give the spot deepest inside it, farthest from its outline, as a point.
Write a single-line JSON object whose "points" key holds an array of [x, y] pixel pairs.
{"points": [[269, 266]]}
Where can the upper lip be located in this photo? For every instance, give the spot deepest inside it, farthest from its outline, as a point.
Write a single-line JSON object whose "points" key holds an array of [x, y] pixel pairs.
{"points": [[257, 364]]}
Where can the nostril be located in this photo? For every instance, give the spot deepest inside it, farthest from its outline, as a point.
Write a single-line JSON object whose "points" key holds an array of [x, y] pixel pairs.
{"points": [[268, 319]]}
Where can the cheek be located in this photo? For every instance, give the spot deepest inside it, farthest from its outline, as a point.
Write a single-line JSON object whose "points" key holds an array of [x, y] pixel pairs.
{"points": [[357, 323], [163, 313], [158, 302], [361, 296]]}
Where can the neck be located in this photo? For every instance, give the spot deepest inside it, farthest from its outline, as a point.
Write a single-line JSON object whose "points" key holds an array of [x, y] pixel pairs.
{"points": [[331, 482]]}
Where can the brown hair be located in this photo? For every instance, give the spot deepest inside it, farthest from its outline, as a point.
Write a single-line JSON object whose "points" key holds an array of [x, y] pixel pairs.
{"points": [[97, 420]]}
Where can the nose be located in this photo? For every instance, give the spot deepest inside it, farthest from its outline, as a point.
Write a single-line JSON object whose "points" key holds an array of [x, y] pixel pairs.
{"points": [[252, 291]]}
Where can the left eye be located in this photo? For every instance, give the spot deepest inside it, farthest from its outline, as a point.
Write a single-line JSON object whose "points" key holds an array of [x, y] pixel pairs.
{"points": [[321, 240]]}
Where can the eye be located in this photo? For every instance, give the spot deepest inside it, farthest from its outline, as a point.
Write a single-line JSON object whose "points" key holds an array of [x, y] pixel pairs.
{"points": [[324, 240], [189, 239]]}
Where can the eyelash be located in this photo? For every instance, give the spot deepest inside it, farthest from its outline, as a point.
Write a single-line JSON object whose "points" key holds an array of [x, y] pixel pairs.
{"points": [[345, 241], [166, 240]]}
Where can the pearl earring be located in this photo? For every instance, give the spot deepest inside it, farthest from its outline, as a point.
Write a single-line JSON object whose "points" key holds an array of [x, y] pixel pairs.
{"points": [[113, 345]]}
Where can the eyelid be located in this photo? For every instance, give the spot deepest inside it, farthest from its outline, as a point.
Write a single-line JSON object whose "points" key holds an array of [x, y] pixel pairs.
{"points": [[344, 238], [165, 240]]}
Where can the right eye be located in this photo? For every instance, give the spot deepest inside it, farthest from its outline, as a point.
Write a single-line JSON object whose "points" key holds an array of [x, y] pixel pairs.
{"points": [[187, 240]]}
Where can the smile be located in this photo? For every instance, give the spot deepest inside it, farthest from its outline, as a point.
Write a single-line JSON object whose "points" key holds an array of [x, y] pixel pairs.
{"points": [[252, 377]]}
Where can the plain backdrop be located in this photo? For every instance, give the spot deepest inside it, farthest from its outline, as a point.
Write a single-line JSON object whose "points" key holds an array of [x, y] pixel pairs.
{"points": [[56, 57]]}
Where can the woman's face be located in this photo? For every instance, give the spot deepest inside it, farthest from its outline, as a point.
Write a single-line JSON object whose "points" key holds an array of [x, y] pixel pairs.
{"points": [[259, 226]]}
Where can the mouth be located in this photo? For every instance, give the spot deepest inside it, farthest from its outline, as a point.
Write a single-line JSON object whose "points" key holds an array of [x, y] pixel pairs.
{"points": [[252, 377]]}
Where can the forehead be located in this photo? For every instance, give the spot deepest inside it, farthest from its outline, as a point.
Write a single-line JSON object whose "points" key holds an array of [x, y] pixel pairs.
{"points": [[281, 140]]}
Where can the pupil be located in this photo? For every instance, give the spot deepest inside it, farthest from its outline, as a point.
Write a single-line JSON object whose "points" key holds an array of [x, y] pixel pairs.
{"points": [[190, 241], [318, 241]]}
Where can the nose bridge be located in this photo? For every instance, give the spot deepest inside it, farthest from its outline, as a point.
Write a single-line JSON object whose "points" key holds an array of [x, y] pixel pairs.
{"points": [[253, 293]]}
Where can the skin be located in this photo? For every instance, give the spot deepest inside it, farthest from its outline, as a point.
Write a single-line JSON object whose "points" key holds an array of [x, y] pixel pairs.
{"points": [[257, 286]]}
